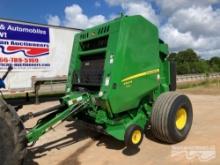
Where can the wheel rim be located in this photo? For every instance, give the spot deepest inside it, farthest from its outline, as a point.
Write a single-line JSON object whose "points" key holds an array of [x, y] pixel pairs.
{"points": [[181, 118], [136, 137]]}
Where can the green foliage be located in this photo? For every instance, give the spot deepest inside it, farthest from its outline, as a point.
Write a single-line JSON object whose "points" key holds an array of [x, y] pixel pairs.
{"points": [[214, 63], [188, 62], [183, 68]]}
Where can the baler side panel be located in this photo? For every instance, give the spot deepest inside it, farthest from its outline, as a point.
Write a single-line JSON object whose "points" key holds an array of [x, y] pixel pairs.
{"points": [[138, 53], [164, 67], [74, 63]]}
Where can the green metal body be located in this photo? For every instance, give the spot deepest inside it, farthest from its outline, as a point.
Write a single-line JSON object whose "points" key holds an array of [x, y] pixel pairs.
{"points": [[135, 71]]}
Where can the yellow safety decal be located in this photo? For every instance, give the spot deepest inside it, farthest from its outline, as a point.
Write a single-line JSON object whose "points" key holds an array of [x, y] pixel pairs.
{"points": [[154, 71]]}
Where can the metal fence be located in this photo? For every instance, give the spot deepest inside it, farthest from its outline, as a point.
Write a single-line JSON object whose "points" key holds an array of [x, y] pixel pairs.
{"points": [[196, 77]]}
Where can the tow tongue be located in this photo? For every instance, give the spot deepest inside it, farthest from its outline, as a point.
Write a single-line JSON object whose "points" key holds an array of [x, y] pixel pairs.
{"points": [[70, 106]]}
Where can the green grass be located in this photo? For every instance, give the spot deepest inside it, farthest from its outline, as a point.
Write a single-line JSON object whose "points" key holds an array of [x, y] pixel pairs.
{"points": [[204, 83]]}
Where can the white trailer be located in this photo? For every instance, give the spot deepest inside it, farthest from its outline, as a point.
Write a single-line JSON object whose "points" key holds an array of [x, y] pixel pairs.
{"points": [[36, 52]]}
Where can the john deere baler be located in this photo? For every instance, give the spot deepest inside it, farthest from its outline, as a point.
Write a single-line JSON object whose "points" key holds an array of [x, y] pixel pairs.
{"points": [[119, 83], [123, 66]]}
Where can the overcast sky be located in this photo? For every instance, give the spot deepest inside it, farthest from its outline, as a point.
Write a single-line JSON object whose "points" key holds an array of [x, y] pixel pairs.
{"points": [[183, 23]]}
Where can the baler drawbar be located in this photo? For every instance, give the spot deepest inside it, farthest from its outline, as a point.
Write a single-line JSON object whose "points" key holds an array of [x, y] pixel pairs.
{"points": [[56, 115]]}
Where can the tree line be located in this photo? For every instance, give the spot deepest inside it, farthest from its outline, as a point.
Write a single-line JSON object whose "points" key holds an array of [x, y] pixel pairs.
{"points": [[189, 62]]}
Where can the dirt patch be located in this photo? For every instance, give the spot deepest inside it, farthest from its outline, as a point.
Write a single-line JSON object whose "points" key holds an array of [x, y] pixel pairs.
{"points": [[71, 144], [73, 158]]}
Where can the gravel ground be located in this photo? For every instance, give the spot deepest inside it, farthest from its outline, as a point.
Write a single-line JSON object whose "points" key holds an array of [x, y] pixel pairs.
{"points": [[70, 144]]}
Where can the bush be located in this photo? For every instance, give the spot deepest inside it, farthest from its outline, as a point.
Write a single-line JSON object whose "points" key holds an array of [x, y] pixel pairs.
{"points": [[188, 62]]}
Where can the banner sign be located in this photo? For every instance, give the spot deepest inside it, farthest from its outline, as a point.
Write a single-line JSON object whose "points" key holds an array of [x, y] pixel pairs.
{"points": [[24, 46]]}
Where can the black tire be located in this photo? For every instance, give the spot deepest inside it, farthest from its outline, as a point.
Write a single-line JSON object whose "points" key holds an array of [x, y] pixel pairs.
{"points": [[12, 136], [164, 118], [130, 133]]}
